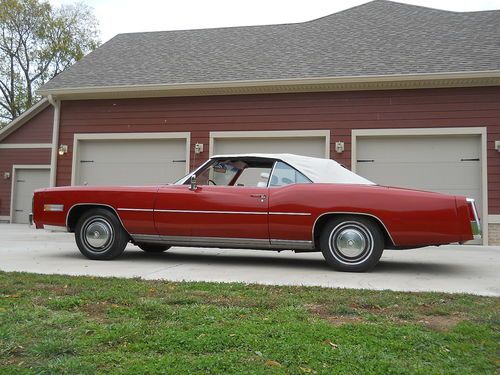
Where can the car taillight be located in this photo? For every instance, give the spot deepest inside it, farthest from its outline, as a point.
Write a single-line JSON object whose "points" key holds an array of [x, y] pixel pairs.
{"points": [[474, 218], [471, 210], [473, 214]]}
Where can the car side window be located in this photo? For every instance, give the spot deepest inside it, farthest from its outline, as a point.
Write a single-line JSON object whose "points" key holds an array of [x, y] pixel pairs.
{"points": [[283, 174], [218, 173], [235, 172], [255, 177]]}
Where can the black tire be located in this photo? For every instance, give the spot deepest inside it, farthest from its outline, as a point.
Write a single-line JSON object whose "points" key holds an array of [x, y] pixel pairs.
{"points": [[100, 235], [352, 243], [150, 248]]}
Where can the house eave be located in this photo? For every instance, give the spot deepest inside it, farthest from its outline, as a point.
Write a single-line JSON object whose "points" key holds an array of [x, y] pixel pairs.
{"points": [[346, 83]]}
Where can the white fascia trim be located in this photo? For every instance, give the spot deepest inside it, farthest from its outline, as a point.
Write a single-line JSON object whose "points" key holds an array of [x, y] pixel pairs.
{"points": [[272, 134], [25, 116], [481, 131], [274, 82], [15, 167], [77, 137], [494, 219], [25, 145]]}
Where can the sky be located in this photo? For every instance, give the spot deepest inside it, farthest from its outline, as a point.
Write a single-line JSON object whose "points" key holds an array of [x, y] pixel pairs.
{"points": [[125, 16]]}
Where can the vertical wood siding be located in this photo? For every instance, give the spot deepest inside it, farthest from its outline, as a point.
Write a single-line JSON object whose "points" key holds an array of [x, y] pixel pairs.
{"points": [[340, 112]]}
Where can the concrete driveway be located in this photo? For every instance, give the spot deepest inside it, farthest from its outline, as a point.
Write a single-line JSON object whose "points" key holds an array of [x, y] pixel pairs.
{"points": [[468, 269]]}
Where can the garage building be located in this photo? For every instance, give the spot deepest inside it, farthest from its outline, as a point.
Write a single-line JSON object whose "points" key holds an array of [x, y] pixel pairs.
{"points": [[401, 94]]}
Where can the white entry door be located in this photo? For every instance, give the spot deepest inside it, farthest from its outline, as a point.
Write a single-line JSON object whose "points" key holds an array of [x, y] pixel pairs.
{"points": [[25, 182]]}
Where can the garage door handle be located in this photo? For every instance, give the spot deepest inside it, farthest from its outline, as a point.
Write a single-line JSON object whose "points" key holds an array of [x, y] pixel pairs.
{"points": [[19, 210], [86, 161], [366, 161], [476, 159], [179, 161], [20, 180]]}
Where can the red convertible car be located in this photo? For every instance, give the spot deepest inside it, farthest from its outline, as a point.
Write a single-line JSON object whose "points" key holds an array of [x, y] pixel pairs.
{"points": [[260, 201]]}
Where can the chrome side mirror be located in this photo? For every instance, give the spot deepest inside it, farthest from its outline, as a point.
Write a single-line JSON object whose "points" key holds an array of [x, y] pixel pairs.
{"points": [[193, 183]]}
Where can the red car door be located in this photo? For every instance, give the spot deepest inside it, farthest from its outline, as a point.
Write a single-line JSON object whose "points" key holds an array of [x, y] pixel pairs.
{"points": [[213, 211]]}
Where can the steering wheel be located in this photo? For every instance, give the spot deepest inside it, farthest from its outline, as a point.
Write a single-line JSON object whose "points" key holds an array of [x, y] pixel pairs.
{"points": [[211, 181]]}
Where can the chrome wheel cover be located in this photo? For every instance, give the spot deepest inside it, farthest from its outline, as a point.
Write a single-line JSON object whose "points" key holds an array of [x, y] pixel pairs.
{"points": [[351, 243], [97, 234]]}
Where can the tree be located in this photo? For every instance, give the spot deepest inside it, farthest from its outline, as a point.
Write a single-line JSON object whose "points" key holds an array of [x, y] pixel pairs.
{"points": [[37, 42]]}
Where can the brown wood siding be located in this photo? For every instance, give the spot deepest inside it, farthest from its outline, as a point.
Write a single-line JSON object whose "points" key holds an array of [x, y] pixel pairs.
{"points": [[9, 157], [340, 112], [36, 130]]}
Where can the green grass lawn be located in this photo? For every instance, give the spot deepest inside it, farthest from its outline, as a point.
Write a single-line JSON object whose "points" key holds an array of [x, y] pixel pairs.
{"points": [[85, 325]]}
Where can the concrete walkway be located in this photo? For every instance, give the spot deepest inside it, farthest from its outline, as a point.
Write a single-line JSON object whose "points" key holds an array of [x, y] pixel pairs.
{"points": [[468, 269]]}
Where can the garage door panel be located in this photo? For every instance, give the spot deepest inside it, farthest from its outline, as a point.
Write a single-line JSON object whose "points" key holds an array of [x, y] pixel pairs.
{"points": [[132, 174], [422, 149], [131, 162], [308, 146], [446, 164], [413, 175]]}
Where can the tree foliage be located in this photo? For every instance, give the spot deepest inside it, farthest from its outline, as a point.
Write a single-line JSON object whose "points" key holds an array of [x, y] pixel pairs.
{"points": [[37, 42]]}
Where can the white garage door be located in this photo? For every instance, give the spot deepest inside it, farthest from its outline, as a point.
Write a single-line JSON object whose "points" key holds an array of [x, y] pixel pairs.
{"points": [[309, 146], [130, 162], [445, 164], [26, 181]]}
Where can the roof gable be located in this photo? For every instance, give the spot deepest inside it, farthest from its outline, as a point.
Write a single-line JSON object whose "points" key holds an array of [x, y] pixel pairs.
{"points": [[18, 122]]}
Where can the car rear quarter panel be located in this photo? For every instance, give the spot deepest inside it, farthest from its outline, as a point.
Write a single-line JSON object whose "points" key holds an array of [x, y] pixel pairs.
{"points": [[411, 217]]}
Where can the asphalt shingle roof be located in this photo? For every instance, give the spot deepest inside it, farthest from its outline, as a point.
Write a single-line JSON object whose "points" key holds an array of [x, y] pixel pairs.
{"points": [[377, 38]]}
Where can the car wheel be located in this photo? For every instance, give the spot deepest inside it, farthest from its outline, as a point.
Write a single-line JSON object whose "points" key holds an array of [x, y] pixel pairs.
{"points": [[100, 235], [352, 243], [149, 248]]}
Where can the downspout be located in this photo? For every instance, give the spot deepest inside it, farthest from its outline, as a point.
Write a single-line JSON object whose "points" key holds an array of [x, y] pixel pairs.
{"points": [[55, 138]]}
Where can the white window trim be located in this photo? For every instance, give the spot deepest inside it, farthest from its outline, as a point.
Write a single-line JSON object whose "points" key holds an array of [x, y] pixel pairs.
{"points": [[126, 136], [15, 167], [25, 145], [272, 134], [481, 131]]}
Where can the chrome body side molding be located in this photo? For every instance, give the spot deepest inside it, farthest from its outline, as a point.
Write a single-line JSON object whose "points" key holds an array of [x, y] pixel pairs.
{"points": [[290, 213], [136, 209], [215, 212], [223, 242]]}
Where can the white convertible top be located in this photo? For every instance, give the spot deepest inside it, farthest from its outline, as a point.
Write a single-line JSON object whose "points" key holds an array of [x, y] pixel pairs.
{"points": [[316, 169]]}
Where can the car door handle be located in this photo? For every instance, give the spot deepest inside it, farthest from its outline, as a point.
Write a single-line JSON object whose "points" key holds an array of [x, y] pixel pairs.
{"points": [[261, 196]]}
